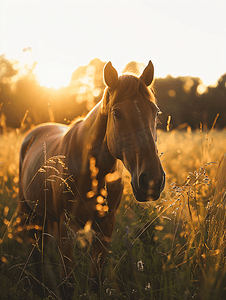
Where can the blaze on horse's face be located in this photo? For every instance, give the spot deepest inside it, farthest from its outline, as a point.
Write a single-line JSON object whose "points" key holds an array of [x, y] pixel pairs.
{"points": [[131, 130]]}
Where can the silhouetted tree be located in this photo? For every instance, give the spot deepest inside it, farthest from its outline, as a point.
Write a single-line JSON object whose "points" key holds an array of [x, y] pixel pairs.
{"points": [[21, 96], [133, 67]]}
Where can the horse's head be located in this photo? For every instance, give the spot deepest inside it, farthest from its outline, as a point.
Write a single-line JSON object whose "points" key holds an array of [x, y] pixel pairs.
{"points": [[131, 129]]}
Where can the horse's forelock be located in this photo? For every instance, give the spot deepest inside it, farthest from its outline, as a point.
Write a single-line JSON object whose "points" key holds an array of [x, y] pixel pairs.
{"points": [[130, 86]]}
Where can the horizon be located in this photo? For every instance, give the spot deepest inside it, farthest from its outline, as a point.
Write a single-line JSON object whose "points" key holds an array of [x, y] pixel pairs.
{"points": [[29, 62]]}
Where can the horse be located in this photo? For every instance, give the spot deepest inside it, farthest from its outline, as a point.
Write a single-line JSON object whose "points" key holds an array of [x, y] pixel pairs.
{"points": [[74, 172]]}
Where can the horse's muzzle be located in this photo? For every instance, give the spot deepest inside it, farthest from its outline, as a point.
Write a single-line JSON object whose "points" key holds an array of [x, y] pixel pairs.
{"points": [[148, 190]]}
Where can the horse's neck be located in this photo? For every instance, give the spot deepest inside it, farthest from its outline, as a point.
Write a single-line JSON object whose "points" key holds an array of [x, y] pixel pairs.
{"points": [[95, 125], [90, 136]]}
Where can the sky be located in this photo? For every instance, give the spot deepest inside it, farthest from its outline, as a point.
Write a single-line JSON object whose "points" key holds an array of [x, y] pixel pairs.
{"points": [[181, 37]]}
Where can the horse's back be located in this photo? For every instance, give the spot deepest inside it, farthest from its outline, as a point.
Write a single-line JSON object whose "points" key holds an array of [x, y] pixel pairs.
{"points": [[38, 145], [41, 134]]}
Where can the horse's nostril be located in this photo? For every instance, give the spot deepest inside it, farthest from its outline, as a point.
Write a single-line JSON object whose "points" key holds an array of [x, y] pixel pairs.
{"points": [[144, 182]]}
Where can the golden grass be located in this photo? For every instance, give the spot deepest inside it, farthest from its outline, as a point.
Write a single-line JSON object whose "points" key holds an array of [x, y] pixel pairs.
{"points": [[184, 240], [184, 152]]}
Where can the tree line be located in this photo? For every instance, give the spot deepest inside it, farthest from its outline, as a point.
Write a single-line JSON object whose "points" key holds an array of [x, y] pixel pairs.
{"points": [[185, 101]]}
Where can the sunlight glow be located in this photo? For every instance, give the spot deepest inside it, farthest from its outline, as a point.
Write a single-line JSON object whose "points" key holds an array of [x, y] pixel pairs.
{"points": [[188, 85], [52, 76], [172, 93], [201, 89]]}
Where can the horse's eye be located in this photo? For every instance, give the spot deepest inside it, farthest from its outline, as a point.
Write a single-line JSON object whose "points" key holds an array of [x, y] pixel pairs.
{"points": [[117, 115]]}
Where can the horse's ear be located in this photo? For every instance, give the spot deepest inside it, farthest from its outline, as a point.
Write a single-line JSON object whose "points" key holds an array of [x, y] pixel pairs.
{"points": [[110, 75], [148, 74]]}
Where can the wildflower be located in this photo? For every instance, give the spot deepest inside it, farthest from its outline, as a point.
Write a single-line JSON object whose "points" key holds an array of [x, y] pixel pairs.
{"points": [[140, 266], [148, 287]]}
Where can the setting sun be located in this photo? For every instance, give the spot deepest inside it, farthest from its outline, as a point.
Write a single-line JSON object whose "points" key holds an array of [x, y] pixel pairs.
{"points": [[50, 75]]}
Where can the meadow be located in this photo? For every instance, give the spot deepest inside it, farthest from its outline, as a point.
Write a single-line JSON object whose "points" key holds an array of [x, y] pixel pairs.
{"points": [[173, 248]]}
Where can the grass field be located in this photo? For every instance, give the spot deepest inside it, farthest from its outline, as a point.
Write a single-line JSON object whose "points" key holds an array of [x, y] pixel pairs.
{"points": [[171, 249]]}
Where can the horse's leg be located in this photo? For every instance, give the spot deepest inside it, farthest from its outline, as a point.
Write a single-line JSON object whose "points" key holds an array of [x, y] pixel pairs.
{"points": [[104, 232], [99, 250]]}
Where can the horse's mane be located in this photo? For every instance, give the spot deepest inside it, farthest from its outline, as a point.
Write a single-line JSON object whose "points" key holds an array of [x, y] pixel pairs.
{"points": [[74, 122], [129, 86]]}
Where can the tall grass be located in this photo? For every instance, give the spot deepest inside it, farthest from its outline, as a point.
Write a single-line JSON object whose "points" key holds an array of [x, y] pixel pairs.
{"points": [[171, 249]]}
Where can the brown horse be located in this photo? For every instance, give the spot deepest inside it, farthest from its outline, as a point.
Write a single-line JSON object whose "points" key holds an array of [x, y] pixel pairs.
{"points": [[73, 171]]}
